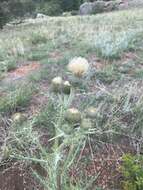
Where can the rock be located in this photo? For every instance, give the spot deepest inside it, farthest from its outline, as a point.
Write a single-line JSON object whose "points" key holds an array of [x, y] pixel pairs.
{"points": [[129, 4], [111, 6], [86, 8], [74, 12], [98, 7], [40, 15], [66, 14], [92, 8]]}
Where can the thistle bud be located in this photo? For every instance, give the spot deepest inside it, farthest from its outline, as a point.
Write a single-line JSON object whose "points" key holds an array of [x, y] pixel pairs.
{"points": [[72, 115], [57, 84], [67, 87], [18, 118], [91, 112]]}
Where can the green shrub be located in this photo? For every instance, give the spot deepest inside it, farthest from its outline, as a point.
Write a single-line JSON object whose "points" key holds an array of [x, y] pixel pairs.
{"points": [[108, 74], [13, 9], [71, 5], [49, 8], [4, 13], [132, 169], [20, 8]]}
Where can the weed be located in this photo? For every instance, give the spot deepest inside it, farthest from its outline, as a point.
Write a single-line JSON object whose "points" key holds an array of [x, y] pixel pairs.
{"points": [[138, 74], [108, 74], [11, 64], [37, 55], [16, 98], [37, 38], [58, 161], [132, 170]]}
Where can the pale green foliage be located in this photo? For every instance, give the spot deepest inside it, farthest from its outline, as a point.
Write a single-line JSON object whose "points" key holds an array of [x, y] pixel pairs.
{"points": [[112, 45], [38, 38], [56, 161]]}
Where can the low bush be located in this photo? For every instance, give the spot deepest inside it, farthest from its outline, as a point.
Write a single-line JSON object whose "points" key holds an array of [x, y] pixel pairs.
{"points": [[49, 8], [132, 170]]}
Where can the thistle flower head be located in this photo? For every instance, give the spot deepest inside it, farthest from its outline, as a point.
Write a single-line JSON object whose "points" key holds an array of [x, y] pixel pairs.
{"points": [[78, 66]]}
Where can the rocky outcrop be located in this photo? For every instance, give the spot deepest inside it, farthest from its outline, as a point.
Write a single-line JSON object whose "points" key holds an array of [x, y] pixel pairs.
{"points": [[100, 6], [86, 8], [129, 4]]}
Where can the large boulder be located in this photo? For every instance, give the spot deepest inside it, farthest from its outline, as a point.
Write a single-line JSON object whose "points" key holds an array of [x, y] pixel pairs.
{"points": [[86, 8], [129, 4], [98, 7], [112, 5]]}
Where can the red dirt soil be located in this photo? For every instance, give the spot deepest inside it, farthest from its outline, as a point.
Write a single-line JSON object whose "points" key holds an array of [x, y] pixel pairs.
{"points": [[18, 177], [24, 70]]}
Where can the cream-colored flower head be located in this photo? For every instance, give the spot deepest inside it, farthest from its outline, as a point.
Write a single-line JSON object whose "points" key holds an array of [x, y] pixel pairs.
{"points": [[78, 66], [57, 80]]}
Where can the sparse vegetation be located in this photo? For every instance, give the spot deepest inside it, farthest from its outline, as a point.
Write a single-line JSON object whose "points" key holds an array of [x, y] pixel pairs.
{"points": [[18, 97]]}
